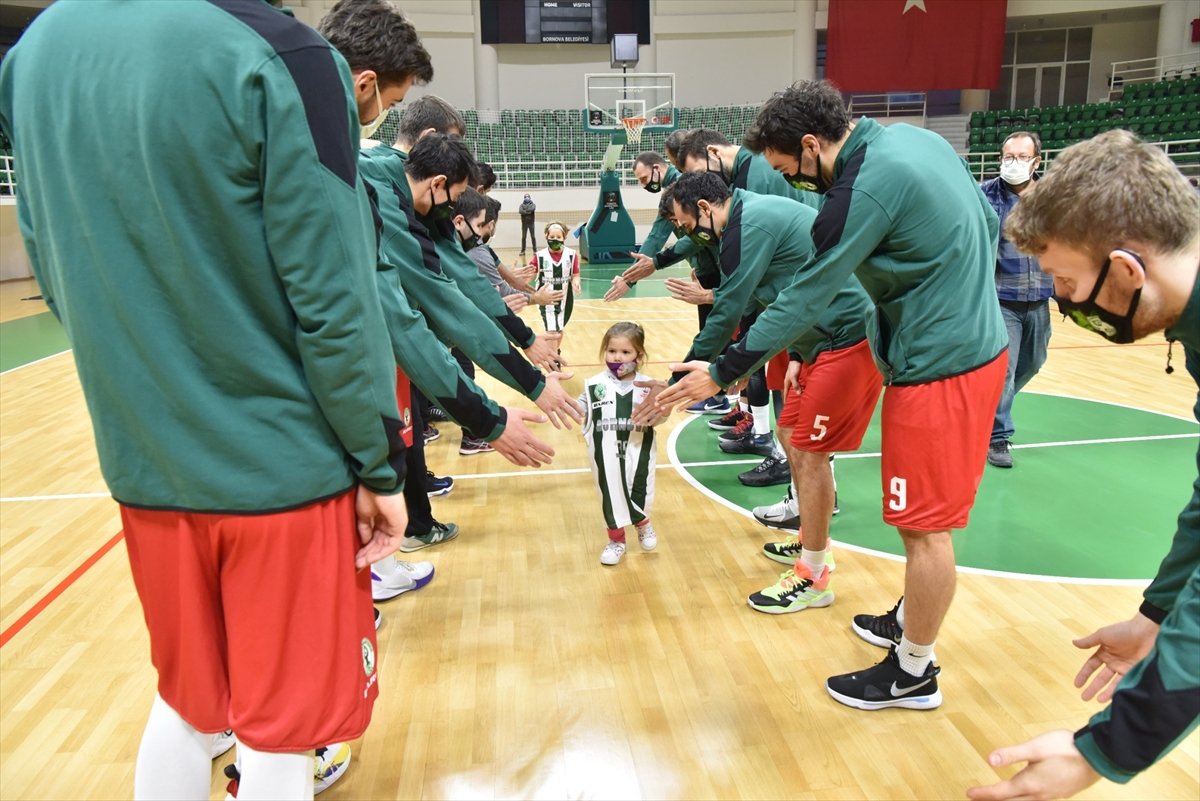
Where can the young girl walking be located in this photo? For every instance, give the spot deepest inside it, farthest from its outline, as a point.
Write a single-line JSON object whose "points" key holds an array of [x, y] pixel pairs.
{"points": [[621, 453]]}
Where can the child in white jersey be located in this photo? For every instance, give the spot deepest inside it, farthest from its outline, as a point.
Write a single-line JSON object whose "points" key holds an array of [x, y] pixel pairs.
{"points": [[621, 453], [557, 269]]}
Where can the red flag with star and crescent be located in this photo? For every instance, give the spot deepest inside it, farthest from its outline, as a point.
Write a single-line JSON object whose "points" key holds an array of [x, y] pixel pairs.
{"points": [[915, 45]]}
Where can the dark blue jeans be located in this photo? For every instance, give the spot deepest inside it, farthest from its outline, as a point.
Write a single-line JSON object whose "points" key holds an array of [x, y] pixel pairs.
{"points": [[1028, 327]]}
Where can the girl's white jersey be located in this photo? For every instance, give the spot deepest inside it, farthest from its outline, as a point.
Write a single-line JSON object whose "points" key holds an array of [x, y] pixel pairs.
{"points": [[621, 453]]}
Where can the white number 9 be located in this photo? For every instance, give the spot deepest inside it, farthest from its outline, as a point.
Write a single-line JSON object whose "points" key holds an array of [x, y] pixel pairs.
{"points": [[899, 500]]}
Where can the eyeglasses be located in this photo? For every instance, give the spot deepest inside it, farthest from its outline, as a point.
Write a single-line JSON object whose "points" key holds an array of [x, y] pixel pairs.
{"points": [[1022, 159]]}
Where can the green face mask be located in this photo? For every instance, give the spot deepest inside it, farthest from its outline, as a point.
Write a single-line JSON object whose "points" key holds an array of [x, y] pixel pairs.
{"points": [[554, 244]]}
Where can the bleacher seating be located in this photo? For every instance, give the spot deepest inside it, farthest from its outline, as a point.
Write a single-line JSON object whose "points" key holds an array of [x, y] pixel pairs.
{"points": [[1164, 111]]}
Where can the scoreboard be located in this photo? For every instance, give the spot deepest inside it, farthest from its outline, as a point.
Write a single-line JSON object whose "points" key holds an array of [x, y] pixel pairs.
{"points": [[562, 21]]}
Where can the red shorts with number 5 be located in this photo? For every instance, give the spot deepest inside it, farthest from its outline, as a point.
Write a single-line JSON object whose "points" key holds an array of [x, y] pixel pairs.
{"points": [[259, 622], [935, 441], [837, 397]]}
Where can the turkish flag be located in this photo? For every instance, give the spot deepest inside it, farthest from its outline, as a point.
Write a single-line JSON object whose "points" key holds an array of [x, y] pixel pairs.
{"points": [[918, 45]]}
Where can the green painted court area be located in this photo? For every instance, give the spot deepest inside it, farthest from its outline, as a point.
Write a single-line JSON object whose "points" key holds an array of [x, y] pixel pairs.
{"points": [[597, 279], [1069, 508], [28, 339]]}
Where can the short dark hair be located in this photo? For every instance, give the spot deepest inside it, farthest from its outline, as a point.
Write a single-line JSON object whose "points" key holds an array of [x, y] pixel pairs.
{"points": [[666, 204], [469, 204], [374, 35], [428, 111], [441, 154], [487, 176], [649, 158], [671, 145], [493, 210], [697, 142], [1030, 135], [693, 187], [805, 107]]}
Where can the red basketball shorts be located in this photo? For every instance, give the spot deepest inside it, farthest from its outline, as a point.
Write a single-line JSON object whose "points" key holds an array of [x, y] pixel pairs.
{"points": [[837, 396], [259, 623], [777, 370], [935, 441]]}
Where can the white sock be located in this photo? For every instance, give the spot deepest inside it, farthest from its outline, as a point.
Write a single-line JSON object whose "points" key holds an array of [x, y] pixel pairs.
{"points": [[914, 658], [741, 402], [792, 494], [174, 760], [813, 560], [385, 566], [900, 613], [266, 775], [762, 420], [833, 472]]}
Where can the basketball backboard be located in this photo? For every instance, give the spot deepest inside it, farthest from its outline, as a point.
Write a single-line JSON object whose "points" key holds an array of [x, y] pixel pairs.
{"points": [[612, 98]]}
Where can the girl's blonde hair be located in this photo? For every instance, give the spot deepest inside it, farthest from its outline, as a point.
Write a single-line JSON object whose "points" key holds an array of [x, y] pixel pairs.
{"points": [[553, 224], [631, 331]]}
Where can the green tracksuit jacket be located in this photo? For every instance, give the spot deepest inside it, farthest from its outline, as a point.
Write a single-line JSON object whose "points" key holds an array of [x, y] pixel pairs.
{"points": [[410, 246], [905, 215], [766, 240], [198, 225], [1157, 703]]}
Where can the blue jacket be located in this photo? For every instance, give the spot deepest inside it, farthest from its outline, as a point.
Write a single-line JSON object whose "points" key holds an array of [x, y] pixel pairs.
{"points": [[1018, 277]]}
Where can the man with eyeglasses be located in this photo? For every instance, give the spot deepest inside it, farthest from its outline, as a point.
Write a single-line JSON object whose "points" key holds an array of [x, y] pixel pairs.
{"points": [[1021, 286]]}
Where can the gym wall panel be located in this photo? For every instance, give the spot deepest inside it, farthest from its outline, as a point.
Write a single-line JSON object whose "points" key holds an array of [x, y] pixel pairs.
{"points": [[1122, 41], [453, 68], [726, 69]]}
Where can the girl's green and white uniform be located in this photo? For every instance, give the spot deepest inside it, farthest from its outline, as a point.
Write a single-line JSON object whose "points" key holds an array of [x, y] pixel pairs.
{"points": [[621, 453], [556, 275]]}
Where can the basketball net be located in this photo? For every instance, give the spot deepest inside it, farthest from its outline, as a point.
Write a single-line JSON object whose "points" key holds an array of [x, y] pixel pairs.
{"points": [[633, 129]]}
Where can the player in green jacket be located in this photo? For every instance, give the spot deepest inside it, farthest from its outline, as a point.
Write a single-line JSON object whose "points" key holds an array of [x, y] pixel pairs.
{"points": [[1126, 264], [233, 354], [764, 240], [903, 213]]}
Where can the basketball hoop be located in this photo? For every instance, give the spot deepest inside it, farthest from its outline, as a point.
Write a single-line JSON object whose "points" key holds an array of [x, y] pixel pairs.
{"points": [[633, 129]]}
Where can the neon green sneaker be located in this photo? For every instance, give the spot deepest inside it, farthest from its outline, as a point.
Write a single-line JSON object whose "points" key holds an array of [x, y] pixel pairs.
{"points": [[795, 591], [788, 551]]}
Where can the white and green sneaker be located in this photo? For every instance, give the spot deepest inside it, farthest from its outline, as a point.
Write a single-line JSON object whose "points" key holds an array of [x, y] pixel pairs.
{"points": [[440, 532]]}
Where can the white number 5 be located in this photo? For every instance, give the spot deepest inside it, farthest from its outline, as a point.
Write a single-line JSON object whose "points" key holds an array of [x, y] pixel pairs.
{"points": [[899, 500], [819, 425]]}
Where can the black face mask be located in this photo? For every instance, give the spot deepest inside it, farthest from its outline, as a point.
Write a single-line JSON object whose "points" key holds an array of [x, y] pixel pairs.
{"points": [[554, 244], [720, 170], [808, 183], [704, 235], [439, 212], [474, 239], [1113, 327], [654, 185]]}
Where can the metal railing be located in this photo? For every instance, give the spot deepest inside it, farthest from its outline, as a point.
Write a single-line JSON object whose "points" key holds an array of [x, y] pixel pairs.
{"points": [[1185, 154], [1150, 70], [8, 181], [890, 104]]}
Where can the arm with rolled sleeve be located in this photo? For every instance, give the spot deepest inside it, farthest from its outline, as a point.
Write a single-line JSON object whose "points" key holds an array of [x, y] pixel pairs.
{"points": [[319, 233], [847, 230]]}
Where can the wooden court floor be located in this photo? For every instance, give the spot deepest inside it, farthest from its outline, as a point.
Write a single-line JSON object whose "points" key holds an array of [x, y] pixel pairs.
{"points": [[528, 670]]}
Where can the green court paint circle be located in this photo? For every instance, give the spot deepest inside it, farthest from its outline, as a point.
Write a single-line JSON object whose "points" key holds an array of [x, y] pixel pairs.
{"points": [[1079, 504]]}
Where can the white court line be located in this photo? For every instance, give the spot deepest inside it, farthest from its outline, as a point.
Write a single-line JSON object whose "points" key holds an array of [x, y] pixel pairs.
{"points": [[35, 361], [673, 464], [672, 457]]}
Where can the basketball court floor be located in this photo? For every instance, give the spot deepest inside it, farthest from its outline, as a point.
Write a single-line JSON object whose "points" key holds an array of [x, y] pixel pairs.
{"points": [[528, 670]]}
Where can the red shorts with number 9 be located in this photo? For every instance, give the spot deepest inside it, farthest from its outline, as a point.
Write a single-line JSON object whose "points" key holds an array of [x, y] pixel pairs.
{"points": [[935, 441], [259, 622], [837, 397]]}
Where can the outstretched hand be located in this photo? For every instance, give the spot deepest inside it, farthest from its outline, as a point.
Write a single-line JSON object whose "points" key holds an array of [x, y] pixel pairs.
{"points": [[618, 290], [696, 385], [518, 444], [1055, 769], [647, 412], [1121, 645], [543, 352], [642, 267], [557, 404]]}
